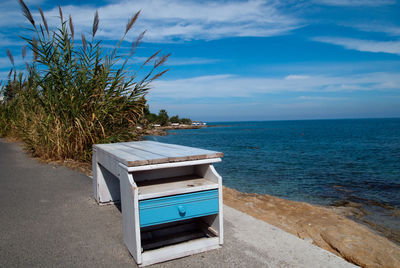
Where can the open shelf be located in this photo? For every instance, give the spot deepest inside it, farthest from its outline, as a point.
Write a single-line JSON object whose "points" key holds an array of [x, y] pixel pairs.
{"points": [[173, 186], [178, 239], [158, 236]]}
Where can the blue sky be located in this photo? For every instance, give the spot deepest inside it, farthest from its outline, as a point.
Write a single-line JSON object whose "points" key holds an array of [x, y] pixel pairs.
{"points": [[249, 60]]}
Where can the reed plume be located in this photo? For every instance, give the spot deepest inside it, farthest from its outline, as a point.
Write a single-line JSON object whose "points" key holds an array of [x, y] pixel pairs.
{"points": [[95, 23], [23, 53], [131, 21], [71, 26], [61, 14], [84, 44], [73, 98], [27, 12], [10, 56], [44, 20]]}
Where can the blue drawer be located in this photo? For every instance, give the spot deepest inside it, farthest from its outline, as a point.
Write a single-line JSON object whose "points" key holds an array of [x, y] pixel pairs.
{"points": [[178, 207]]}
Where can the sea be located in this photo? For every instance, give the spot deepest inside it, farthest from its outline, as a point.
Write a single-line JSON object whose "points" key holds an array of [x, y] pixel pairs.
{"points": [[325, 162]]}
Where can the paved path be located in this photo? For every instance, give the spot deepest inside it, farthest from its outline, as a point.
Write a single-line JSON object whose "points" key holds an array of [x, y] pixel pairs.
{"points": [[48, 218]]}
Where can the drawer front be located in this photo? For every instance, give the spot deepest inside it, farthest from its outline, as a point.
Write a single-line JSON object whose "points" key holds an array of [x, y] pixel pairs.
{"points": [[178, 207]]}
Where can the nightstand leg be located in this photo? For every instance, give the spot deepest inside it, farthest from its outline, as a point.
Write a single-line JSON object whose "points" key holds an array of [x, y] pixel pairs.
{"points": [[130, 214]]}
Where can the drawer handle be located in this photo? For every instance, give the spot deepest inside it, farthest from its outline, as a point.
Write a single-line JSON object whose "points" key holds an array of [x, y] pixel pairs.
{"points": [[182, 210]]}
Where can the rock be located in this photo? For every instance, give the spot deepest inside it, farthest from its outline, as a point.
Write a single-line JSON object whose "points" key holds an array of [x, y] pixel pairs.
{"points": [[322, 226], [360, 246]]}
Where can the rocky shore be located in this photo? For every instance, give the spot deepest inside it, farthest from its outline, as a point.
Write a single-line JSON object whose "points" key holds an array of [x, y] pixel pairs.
{"points": [[162, 131], [322, 226]]}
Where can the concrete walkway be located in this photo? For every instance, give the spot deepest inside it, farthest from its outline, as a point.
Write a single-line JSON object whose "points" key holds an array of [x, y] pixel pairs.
{"points": [[48, 218]]}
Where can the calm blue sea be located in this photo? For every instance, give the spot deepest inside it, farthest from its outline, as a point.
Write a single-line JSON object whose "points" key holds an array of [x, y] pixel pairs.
{"points": [[317, 161]]}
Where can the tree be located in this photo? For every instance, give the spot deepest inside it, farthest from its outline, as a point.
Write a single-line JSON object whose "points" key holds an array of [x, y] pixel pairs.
{"points": [[174, 119], [150, 117], [185, 121], [163, 117]]}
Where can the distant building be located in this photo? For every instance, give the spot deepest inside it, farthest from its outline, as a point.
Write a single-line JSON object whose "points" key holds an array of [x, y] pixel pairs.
{"points": [[175, 124], [156, 125], [198, 123]]}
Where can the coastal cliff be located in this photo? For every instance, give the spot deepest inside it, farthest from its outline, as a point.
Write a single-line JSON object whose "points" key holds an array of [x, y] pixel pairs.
{"points": [[321, 226]]}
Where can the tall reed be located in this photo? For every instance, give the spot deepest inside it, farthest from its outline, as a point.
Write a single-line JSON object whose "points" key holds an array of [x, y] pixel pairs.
{"points": [[76, 93]]}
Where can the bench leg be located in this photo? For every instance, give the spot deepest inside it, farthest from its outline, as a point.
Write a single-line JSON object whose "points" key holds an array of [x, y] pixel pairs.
{"points": [[130, 214], [106, 187]]}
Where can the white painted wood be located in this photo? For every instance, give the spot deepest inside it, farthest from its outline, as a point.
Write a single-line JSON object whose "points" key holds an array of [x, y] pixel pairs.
{"points": [[120, 155], [163, 173], [173, 153], [149, 152], [139, 157], [130, 214], [108, 161], [214, 221], [220, 216], [141, 170], [109, 186], [179, 250], [95, 171], [105, 184], [176, 164], [186, 149], [174, 186]]}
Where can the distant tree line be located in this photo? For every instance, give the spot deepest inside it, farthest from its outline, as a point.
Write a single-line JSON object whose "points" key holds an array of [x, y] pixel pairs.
{"points": [[163, 119]]}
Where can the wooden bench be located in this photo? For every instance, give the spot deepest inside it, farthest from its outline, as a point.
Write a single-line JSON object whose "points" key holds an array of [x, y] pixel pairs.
{"points": [[171, 197]]}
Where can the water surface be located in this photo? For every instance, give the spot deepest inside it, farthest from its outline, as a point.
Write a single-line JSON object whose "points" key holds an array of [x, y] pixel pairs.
{"points": [[316, 161]]}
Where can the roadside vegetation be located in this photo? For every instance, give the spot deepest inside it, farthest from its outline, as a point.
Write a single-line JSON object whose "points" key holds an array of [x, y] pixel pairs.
{"points": [[163, 119], [75, 93]]}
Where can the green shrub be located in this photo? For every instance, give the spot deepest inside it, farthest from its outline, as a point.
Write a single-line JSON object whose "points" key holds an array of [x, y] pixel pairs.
{"points": [[76, 94]]}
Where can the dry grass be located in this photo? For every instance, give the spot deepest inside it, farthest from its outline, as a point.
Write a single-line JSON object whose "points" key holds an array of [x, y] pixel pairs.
{"points": [[74, 94]]}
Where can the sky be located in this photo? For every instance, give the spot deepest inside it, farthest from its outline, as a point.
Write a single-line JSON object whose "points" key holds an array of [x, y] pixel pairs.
{"points": [[247, 60]]}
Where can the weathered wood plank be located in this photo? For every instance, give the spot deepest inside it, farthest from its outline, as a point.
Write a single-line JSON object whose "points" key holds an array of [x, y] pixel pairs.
{"points": [[149, 152], [174, 153], [142, 153], [115, 153], [173, 186], [179, 250], [180, 149], [130, 214], [175, 164]]}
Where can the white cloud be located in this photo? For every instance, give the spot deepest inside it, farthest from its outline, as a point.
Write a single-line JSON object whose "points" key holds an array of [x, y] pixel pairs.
{"points": [[172, 61], [294, 76], [392, 47], [378, 28], [6, 63], [173, 20], [355, 2], [321, 98], [178, 61], [228, 86]]}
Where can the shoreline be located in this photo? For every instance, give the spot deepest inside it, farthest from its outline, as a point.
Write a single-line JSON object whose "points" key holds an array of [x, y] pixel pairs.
{"points": [[369, 213], [62, 225], [329, 228], [325, 227], [163, 131]]}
